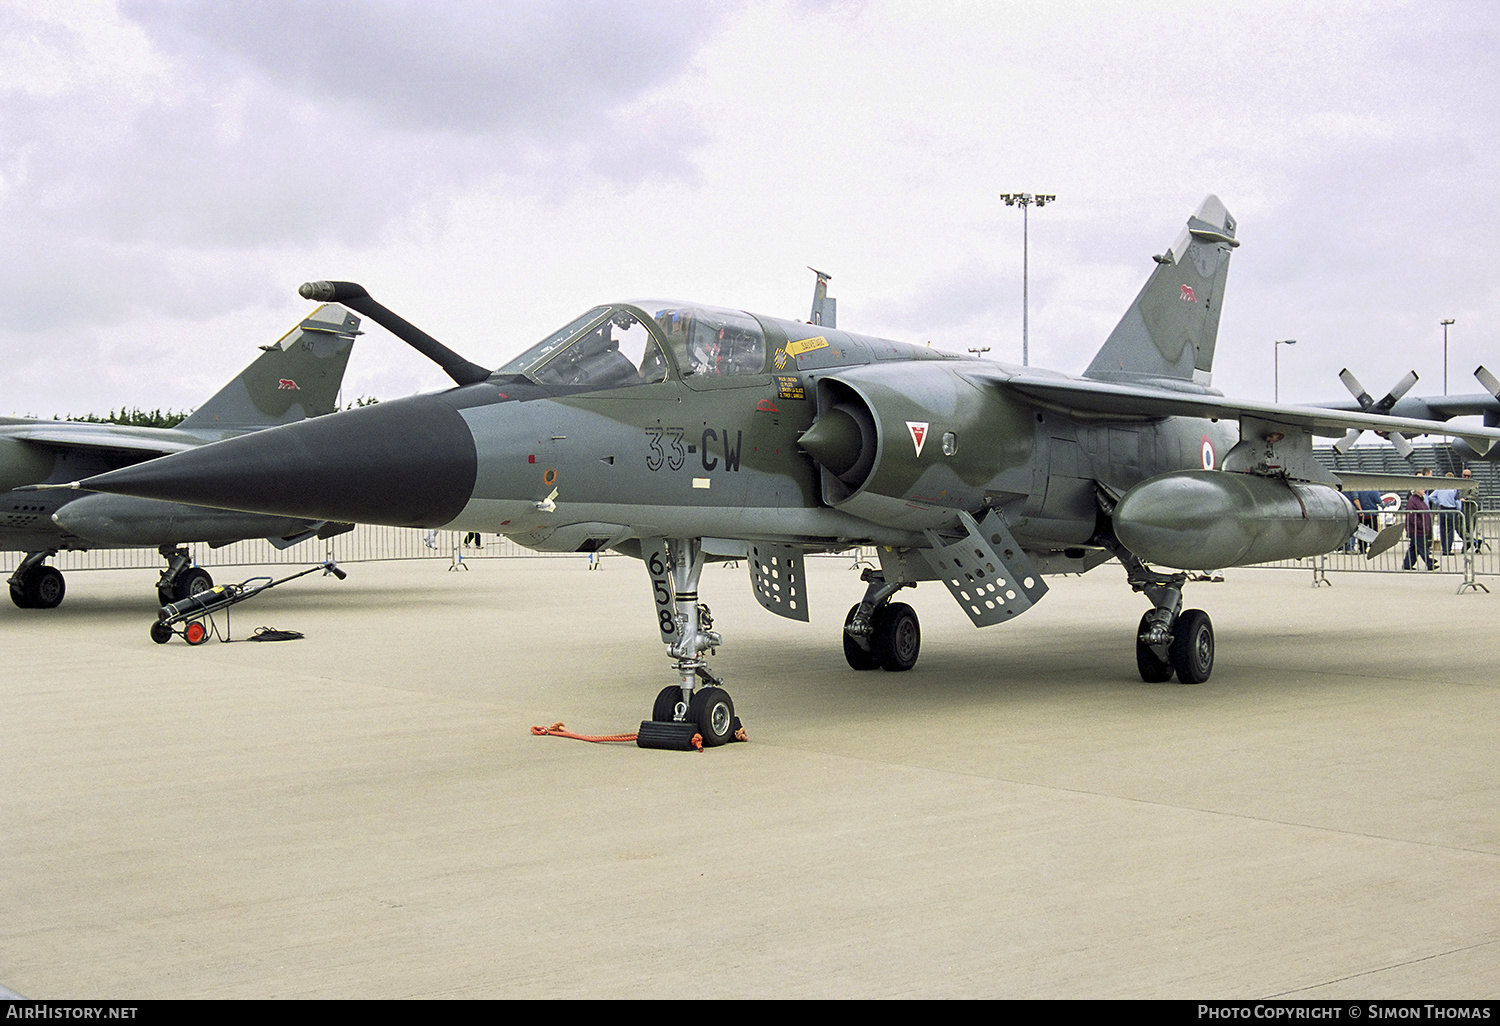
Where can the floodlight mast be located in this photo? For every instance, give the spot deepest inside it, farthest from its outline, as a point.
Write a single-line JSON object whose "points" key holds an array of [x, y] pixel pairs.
{"points": [[1024, 200], [1445, 322], [1276, 362]]}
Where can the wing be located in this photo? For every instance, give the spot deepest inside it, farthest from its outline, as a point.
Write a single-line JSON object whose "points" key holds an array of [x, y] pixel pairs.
{"points": [[1085, 398]]}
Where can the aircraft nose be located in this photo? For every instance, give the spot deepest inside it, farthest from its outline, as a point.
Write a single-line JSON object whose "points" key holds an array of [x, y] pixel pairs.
{"points": [[406, 463]]}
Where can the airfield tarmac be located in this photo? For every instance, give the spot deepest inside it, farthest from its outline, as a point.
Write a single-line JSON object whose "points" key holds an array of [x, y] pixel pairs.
{"points": [[364, 813]]}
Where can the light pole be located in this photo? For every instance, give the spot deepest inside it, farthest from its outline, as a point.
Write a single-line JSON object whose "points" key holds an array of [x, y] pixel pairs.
{"points": [[1445, 324], [979, 351], [1024, 200], [1276, 360]]}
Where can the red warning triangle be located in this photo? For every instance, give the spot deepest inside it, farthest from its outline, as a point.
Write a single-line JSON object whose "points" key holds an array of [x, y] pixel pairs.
{"points": [[918, 429]]}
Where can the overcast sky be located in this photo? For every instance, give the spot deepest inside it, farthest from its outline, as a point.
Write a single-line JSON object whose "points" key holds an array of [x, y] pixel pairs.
{"points": [[172, 170]]}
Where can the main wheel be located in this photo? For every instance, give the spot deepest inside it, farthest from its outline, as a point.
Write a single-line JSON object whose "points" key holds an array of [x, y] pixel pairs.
{"points": [[1193, 647], [664, 709], [854, 653], [898, 636], [713, 712], [161, 633], [193, 581], [45, 587], [18, 596], [1153, 670]]}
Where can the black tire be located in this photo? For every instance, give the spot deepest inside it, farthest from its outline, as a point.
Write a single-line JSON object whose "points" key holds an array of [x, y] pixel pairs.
{"points": [[18, 596], [855, 654], [193, 581], [664, 710], [160, 633], [45, 587], [1153, 670], [712, 710], [165, 596], [897, 640], [1193, 647]]}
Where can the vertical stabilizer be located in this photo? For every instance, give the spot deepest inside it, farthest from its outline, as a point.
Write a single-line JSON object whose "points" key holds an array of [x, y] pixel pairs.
{"points": [[1170, 330], [300, 376]]}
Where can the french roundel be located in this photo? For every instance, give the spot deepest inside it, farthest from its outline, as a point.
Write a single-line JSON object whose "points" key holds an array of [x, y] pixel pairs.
{"points": [[1208, 454]]}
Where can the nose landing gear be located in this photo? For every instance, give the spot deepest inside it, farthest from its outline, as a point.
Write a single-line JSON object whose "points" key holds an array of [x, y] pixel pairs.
{"points": [[685, 709]]}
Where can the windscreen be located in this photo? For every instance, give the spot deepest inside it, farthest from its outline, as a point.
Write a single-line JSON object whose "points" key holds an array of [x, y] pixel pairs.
{"points": [[608, 347]]}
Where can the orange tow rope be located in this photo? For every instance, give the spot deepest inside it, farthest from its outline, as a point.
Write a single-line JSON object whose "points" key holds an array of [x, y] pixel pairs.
{"points": [[560, 730]]}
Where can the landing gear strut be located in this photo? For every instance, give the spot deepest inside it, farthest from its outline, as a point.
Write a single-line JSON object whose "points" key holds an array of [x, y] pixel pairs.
{"points": [[1169, 640], [686, 625], [879, 633], [34, 585], [180, 579]]}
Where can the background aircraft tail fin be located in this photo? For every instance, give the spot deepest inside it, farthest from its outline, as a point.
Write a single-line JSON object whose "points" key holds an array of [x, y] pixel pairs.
{"points": [[1171, 328], [300, 376]]}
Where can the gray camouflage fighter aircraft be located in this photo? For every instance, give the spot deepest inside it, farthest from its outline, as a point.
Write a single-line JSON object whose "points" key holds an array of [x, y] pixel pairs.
{"points": [[680, 433], [297, 377]]}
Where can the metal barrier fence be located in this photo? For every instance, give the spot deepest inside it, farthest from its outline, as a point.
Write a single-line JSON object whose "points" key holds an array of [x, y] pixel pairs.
{"points": [[1463, 543], [1474, 550], [365, 543]]}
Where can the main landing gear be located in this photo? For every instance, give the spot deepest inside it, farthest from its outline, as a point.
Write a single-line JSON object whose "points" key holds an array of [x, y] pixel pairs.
{"points": [[1169, 640], [697, 703], [879, 633], [35, 585], [180, 579]]}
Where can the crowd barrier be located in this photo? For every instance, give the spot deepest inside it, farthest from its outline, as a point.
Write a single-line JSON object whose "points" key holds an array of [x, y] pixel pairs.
{"points": [[1461, 542], [1473, 550]]}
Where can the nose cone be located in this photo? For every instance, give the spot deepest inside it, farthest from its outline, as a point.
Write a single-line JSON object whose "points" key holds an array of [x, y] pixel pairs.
{"points": [[406, 463]]}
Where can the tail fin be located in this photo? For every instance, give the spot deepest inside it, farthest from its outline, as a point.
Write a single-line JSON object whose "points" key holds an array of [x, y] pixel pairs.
{"points": [[300, 376], [1170, 330]]}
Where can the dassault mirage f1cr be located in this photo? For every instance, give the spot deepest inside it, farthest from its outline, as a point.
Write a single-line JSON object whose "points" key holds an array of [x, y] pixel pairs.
{"points": [[298, 376], [681, 433]]}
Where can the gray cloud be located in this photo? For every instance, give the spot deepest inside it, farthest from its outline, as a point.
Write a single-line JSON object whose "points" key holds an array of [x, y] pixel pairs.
{"points": [[242, 128], [472, 67]]}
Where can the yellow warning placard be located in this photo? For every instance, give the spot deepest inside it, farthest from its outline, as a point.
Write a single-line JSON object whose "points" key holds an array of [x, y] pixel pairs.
{"points": [[807, 345]]}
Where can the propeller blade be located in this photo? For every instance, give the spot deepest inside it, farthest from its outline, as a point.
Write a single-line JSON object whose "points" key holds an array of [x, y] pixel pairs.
{"points": [[1489, 381], [1403, 447], [1356, 389], [1350, 437], [1402, 387]]}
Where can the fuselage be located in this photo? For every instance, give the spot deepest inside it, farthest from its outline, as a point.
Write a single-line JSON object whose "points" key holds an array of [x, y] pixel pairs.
{"points": [[644, 419]]}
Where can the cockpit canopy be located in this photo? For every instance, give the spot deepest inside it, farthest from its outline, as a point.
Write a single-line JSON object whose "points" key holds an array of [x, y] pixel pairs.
{"points": [[628, 344]]}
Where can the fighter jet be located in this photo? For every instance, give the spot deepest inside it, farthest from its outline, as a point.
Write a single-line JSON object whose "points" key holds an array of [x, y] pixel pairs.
{"points": [[297, 377], [681, 434]]}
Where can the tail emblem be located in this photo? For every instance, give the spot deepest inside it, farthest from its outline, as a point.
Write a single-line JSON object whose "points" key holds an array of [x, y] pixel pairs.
{"points": [[289, 385], [1188, 296]]}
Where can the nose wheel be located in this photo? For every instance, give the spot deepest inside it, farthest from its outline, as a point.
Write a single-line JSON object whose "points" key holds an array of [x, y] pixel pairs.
{"points": [[696, 706]]}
